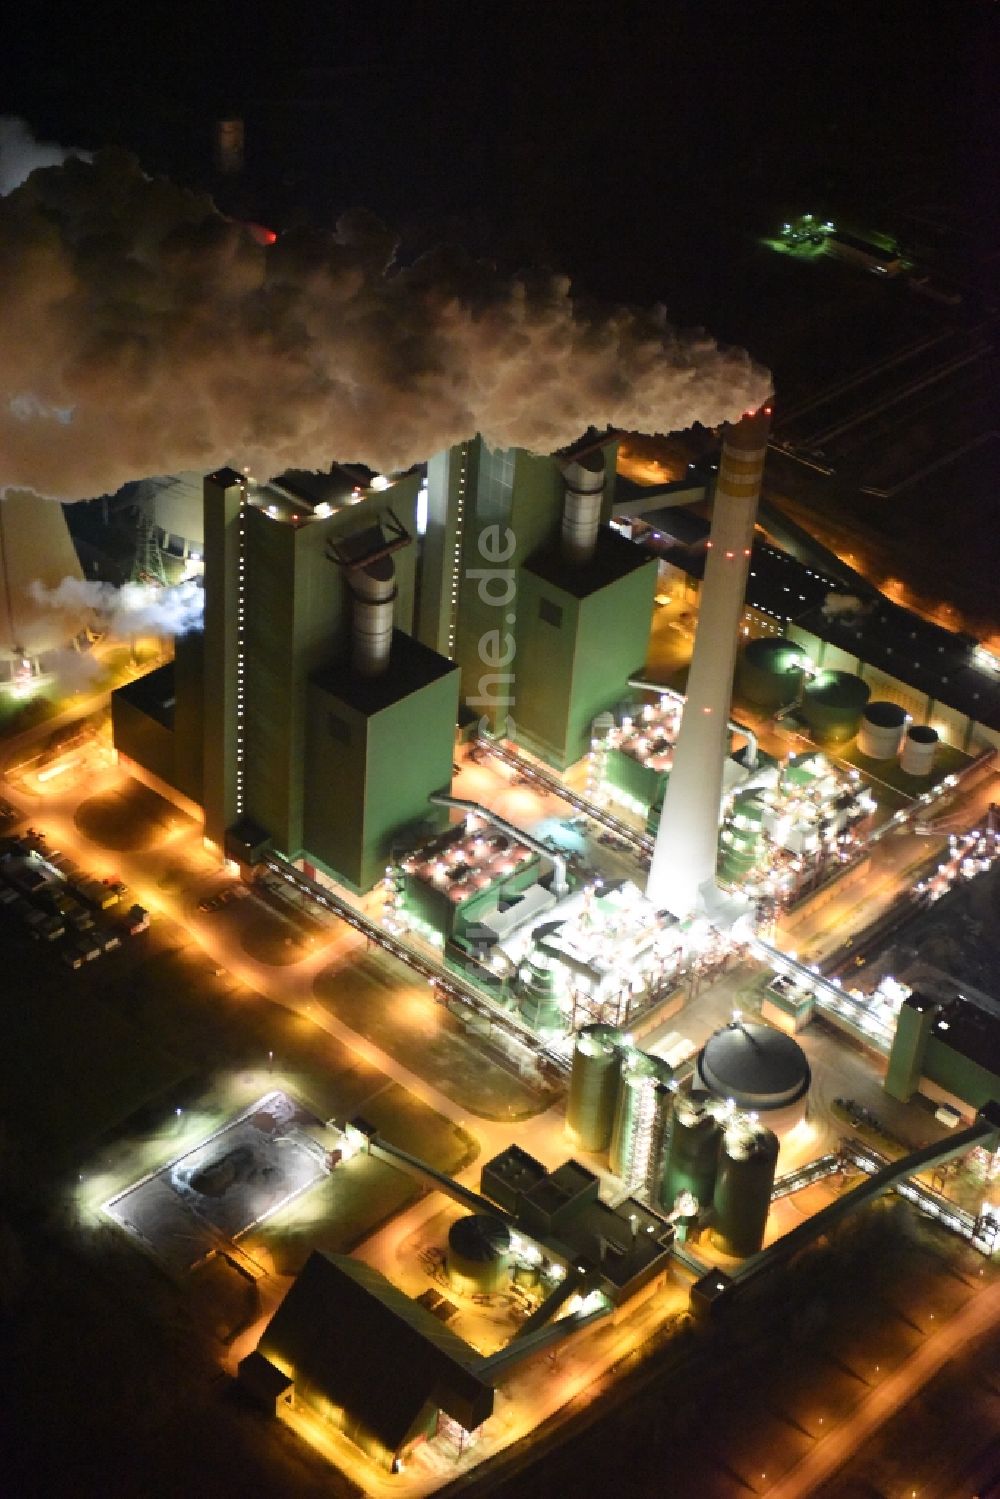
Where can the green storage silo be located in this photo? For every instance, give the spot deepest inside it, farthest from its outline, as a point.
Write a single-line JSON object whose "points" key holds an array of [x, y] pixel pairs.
{"points": [[644, 1104], [742, 1198], [741, 838], [692, 1153], [538, 995], [593, 1086], [769, 672], [478, 1256], [832, 705]]}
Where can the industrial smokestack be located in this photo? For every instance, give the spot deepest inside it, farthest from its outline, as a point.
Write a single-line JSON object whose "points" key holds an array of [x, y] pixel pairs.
{"points": [[582, 505], [686, 850], [374, 590]]}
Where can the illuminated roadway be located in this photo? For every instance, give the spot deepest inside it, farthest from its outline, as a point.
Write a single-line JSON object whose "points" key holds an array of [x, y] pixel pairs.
{"points": [[980, 1315], [583, 1368]]}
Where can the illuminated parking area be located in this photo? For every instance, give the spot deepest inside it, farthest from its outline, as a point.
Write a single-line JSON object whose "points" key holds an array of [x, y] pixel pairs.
{"points": [[217, 1191]]}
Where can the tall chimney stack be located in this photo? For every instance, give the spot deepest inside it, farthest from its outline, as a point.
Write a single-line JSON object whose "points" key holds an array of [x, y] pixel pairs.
{"points": [[686, 850]]}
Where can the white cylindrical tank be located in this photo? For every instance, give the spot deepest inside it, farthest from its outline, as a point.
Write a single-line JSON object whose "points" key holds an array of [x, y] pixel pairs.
{"points": [[919, 748], [881, 731], [582, 505], [374, 590]]}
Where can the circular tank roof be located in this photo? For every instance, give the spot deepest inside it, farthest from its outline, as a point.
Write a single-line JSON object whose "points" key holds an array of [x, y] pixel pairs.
{"points": [[838, 689], [768, 654], [757, 1067], [922, 733], [885, 715], [479, 1238]]}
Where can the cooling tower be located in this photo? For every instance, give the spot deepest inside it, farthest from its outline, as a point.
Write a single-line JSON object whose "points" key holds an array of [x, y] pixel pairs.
{"points": [[684, 858], [35, 547]]}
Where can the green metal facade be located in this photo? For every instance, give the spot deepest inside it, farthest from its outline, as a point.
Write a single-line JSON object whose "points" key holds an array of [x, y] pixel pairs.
{"points": [[369, 773], [641, 782], [575, 656], [909, 1047], [298, 618], [488, 511], [225, 508]]}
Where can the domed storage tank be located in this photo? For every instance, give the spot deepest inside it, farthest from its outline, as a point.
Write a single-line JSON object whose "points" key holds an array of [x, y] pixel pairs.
{"points": [[593, 1086], [692, 1153], [478, 1258], [768, 672], [919, 749], [758, 1069], [747, 1162], [832, 705], [881, 732], [644, 1101]]}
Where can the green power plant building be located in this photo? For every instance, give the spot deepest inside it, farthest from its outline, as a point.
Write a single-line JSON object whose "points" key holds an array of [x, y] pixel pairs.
{"points": [[542, 605], [348, 629], [306, 716]]}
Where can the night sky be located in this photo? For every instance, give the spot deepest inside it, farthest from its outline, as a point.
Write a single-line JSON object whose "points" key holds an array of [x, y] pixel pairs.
{"points": [[628, 143]]}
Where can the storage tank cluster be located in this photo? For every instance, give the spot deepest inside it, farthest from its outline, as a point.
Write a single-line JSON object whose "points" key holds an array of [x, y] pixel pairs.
{"points": [[619, 1102], [887, 734], [692, 1151], [726, 1161]]}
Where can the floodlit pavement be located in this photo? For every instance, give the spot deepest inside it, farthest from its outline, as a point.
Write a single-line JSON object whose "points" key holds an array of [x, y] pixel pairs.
{"points": [[172, 874]]}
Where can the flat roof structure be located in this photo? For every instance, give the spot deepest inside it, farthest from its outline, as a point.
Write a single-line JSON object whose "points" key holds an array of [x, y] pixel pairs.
{"points": [[971, 1030], [621, 1248], [412, 666], [649, 737], [612, 558], [466, 864]]}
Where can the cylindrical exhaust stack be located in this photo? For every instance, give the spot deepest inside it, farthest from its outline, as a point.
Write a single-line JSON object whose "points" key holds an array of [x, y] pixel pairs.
{"points": [[684, 858], [374, 590], [582, 505]]}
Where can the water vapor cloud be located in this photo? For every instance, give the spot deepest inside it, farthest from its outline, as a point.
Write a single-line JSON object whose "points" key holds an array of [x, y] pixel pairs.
{"points": [[130, 610], [144, 333]]}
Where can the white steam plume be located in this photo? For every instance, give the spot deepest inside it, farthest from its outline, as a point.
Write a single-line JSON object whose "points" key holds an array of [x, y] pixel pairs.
{"points": [[21, 153], [143, 333], [133, 609]]}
